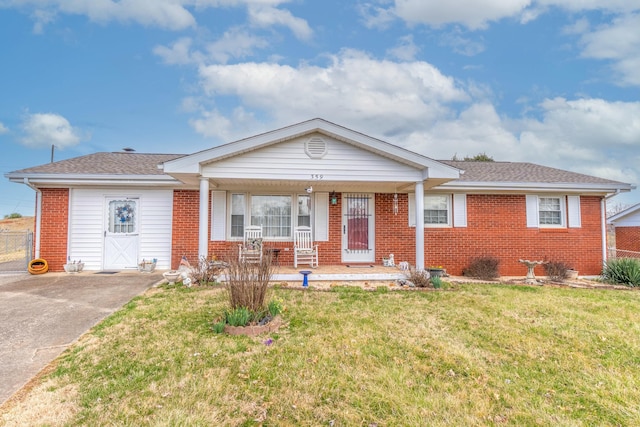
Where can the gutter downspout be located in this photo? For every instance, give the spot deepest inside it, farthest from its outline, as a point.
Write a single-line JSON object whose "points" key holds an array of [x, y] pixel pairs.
{"points": [[38, 216], [603, 210]]}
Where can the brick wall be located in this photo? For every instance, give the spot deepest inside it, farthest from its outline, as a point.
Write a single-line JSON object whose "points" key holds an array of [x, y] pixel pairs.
{"points": [[496, 226], [184, 237], [54, 227], [628, 238]]}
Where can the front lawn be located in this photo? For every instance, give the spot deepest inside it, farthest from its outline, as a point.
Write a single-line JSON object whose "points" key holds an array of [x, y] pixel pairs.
{"points": [[478, 355]]}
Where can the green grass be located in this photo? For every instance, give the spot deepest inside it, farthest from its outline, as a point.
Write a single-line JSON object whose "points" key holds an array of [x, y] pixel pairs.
{"points": [[479, 355]]}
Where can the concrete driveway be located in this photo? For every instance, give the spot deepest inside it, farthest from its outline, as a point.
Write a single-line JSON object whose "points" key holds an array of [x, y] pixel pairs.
{"points": [[41, 316]]}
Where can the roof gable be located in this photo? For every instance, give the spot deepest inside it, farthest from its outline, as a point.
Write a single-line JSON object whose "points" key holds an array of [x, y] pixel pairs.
{"points": [[193, 163]]}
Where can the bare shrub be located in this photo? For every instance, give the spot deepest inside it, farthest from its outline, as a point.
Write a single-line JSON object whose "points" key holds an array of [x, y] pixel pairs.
{"points": [[205, 272], [420, 278], [484, 268], [556, 270], [247, 283]]}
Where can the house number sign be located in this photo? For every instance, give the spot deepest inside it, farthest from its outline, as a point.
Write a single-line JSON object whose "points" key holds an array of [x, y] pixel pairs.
{"points": [[317, 177]]}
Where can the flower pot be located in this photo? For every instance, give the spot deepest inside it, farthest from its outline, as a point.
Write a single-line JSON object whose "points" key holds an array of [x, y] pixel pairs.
{"points": [[146, 267], [572, 274], [75, 267], [172, 276]]}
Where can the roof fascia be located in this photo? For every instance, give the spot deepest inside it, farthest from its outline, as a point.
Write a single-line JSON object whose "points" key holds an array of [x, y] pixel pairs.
{"points": [[622, 214], [537, 186], [93, 179]]}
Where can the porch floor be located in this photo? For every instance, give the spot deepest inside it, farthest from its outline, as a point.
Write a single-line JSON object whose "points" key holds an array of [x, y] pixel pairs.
{"points": [[356, 272]]}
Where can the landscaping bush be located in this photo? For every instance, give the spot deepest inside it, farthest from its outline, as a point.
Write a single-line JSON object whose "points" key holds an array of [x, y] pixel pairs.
{"points": [[484, 268], [623, 271], [247, 283], [557, 270], [420, 278]]}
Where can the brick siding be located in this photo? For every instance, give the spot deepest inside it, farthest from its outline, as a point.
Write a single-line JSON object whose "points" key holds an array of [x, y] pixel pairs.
{"points": [[54, 227]]}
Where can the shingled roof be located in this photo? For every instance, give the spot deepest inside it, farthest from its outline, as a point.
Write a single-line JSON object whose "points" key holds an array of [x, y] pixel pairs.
{"points": [[104, 164], [520, 173], [474, 172]]}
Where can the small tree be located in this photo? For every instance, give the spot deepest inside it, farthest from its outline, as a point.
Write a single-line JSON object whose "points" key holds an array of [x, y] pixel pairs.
{"points": [[13, 215]]}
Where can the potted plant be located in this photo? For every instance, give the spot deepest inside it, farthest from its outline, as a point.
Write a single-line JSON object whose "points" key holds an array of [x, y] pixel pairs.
{"points": [[147, 266], [73, 266]]}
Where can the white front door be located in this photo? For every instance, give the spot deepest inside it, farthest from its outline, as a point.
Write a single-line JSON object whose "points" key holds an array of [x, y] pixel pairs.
{"points": [[358, 228], [121, 234]]}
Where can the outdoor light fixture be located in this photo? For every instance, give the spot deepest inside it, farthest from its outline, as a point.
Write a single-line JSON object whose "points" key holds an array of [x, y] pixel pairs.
{"points": [[333, 197]]}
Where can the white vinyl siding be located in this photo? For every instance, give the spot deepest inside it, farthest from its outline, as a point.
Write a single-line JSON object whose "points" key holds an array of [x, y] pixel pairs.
{"points": [[289, 161], [87, 224]]}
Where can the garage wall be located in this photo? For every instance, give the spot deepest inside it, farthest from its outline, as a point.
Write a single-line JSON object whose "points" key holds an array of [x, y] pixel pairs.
{"points": [[87, 224]]}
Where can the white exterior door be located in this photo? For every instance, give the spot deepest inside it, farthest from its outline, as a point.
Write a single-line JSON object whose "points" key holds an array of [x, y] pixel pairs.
{"points": [[121, 239], [358, 228]]}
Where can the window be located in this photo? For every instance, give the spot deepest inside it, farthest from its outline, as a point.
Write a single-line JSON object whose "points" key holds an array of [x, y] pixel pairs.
{"points": [[122, 216], [550, 211], [304, 210], [437, 209], [273, 213], [237, 215]]}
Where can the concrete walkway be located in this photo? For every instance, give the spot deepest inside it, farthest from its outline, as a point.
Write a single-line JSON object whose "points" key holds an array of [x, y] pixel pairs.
{"points": [[42, 315]]}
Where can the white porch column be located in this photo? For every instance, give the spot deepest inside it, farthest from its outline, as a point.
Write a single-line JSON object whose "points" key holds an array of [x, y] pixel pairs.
{"points": [[419, 226], [203, 228]]}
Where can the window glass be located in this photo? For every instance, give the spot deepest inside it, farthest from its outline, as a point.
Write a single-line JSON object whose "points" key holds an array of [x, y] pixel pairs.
{"points": [[550, 211], [273, 213], [122, 216], [436, 209], [304, 210], [237, 215]]}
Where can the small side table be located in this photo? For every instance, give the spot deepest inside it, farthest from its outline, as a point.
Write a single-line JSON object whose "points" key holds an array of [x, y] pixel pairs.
{"points": [[305, 279], [275, 253]]}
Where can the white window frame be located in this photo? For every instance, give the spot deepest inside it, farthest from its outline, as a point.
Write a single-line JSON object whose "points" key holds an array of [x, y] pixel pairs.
{"points": [[533, 217], [247, 212], [449, 210]]}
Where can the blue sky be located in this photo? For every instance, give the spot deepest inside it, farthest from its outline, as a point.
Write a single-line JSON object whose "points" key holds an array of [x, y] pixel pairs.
{"points": [[553, 82]]}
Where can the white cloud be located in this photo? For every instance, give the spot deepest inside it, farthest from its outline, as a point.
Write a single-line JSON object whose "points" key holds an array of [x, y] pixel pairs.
{"points": [[3, 128], [405, 50], [352, 88], [235, 43], [179, 53], [474, 14], [46, 129], [267, 16], [167, 14], [461, 44], [376, 16], [618, 42]]}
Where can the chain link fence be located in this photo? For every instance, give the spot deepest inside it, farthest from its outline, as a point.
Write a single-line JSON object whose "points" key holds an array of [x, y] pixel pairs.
{"points": [[15, 250]]}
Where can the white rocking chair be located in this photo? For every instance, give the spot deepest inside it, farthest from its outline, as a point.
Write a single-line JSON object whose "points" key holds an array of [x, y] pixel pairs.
{"points": [[304, 251], [251, 249]]}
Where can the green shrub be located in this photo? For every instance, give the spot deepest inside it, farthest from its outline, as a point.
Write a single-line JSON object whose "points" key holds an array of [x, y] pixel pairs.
{"points": [[484, 268], [218, 327], [239, 316], [13, 215], [274, 307], [436, 282], [623, 271], [556, 270]]}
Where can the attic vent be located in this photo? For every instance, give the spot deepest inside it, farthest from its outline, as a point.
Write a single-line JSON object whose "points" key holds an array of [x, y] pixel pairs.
{"points": [[315, 147]]}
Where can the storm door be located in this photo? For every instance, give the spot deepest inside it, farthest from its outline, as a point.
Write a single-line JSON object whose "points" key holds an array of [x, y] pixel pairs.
{"points": [[121, 234], [358, 228]]}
